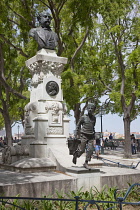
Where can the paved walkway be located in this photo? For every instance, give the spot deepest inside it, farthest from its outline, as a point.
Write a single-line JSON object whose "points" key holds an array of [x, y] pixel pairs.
{"points": [[118, 156]]}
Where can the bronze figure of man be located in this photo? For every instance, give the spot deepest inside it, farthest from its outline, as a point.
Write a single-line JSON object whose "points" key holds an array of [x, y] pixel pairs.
{"points": [[44, 36], [86, 126]]}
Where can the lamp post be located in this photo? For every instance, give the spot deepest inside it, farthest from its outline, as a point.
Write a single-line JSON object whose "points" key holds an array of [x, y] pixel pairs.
{"points": [[101, 112], [18, 132]]}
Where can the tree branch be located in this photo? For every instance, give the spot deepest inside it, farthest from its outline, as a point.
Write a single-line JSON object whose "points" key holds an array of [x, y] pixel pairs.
{"points": [[13, 22], [27, 22], [131, 105], [17, 48], [44, 3], [120, 60], [79, 48], [105, 85], [3, 80], [61, 6], [4, 83], [135, 116], [57, 21]]}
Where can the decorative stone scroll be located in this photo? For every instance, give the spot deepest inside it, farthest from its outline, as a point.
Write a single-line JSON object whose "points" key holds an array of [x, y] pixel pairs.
{"points": [[45, 63], [41, 69], [45, 67], [55, 106]]}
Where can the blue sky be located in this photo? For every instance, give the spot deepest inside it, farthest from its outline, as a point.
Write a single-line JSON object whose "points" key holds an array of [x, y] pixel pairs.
{"points": [[111, 123]]}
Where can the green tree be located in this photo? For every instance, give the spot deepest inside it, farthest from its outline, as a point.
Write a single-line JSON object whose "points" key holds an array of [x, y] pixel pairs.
{"points": [[120, 54], [13, 74]]}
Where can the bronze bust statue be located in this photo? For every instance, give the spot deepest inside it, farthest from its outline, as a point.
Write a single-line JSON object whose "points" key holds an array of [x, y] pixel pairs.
{"points": [[44, 36]]}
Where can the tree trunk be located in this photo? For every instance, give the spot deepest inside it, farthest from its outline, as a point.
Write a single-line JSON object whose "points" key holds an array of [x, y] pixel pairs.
{"points": [[127, 120], [7, 123], [127, 146], [8, 132], [77, 112]]}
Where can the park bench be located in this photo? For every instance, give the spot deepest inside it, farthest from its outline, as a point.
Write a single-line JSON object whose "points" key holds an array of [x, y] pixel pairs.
{"points": [[110, 144]]}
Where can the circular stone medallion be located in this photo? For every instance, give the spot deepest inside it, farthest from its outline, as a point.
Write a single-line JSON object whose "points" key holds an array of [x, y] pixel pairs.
{"points": [[52, 88]]}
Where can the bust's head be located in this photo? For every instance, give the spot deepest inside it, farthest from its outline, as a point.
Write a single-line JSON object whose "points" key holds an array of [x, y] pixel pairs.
{"points": [[44, 19]]}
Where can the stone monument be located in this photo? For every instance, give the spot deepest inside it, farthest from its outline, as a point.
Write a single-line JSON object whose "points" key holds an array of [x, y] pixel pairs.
{"points": [[44, 144], [46, 121]]}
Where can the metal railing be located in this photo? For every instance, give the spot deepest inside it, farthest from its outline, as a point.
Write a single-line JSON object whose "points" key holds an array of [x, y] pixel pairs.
{"points": [[119, 164], [118, 204]]}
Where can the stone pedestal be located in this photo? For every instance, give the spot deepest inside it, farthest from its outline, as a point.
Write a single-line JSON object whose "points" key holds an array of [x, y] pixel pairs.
{"points": [[45, 116]]}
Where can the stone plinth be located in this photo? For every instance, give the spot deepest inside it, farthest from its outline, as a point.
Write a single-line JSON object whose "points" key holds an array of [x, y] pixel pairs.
{"points": [[46, 121]]}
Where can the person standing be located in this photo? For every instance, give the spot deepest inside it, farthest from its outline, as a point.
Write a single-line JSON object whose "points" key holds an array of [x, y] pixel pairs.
{"points": [[133, 144], [110, 137], [97, 147]]}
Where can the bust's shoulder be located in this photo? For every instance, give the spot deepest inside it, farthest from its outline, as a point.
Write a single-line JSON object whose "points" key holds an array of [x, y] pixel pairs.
{"points": [[35, 29], [32, 31], [38, 29]]}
